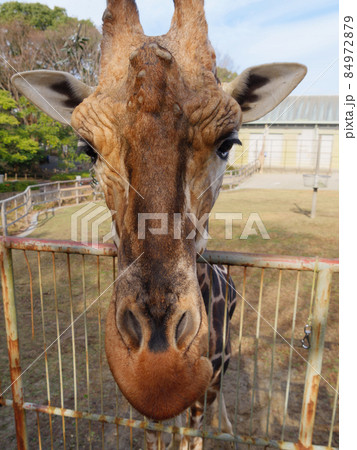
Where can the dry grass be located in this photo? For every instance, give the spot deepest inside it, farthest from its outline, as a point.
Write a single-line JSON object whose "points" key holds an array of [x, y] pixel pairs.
{"points": [[291, 231]]}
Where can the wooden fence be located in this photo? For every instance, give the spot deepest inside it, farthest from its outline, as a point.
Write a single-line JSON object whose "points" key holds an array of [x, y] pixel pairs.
{"points": [[232, 178], [45, 195]]}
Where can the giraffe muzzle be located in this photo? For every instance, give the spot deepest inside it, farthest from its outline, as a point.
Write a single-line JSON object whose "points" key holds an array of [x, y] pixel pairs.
{"points": [[160, 381]]}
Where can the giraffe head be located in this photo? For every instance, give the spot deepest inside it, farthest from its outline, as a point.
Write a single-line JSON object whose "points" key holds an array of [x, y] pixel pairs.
{"points": [[161, 126]]}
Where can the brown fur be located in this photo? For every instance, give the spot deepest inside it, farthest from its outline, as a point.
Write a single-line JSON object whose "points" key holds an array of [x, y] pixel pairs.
{"points": [[157, 117], [157, 121], [154, 392]]}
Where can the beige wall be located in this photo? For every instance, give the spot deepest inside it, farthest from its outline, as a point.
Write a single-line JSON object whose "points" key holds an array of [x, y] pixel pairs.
{"points": [[288, 148]]}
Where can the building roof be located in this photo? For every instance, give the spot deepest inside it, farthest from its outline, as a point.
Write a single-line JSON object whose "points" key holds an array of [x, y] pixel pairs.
{"points": [[309, 109]]}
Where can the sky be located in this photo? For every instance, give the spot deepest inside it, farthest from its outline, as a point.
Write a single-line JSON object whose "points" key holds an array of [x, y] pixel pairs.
{"points": [[245, 33]]}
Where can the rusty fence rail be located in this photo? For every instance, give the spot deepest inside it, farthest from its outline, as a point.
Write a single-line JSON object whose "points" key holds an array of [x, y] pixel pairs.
{"points": [[278, 394]]}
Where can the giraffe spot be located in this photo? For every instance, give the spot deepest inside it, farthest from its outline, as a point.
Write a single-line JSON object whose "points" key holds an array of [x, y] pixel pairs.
{"points": [[216, 281]]}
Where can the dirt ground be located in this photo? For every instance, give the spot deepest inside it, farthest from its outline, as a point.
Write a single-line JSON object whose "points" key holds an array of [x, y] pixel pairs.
{"points": [[264, 384]]}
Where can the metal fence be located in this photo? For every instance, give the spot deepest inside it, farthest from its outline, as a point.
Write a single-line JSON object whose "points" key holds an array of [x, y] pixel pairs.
{"points": [[232, 178], [278, 395], [281, 153], [58, 193]]}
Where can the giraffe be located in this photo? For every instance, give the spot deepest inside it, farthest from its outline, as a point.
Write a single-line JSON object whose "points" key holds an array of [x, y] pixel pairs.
{"points": [[159, 127], [219, 295]]}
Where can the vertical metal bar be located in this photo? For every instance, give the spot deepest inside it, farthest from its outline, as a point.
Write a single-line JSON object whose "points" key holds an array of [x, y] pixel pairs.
{"points": [[58, 346], [117, 411], [256, 351], [77, 192], [8, 293], [59, 193], [241, 321], [315, 187], [99, 310], [287, 392], [86, 346], [116, 386], [131, 428], [44, 344], [209, 319], [39, 431], [3, 218], [273, 352], [73, 346], [29, 208], [159, 440], [224, 340], [31, 293], [312, 380], [333, 414]]}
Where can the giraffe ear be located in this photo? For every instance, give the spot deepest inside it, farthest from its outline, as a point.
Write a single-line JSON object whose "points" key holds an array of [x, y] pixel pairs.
{"points": [[55, 93], [260, 89]]}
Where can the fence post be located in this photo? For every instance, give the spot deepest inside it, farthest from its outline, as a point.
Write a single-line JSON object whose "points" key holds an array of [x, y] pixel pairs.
{"points": [[59, 193], [7, 281], [78, 179], [312, 379], [28, 198], [3, 218]]}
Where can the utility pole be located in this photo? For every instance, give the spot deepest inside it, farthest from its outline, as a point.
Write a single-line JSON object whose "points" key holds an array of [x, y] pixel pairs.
{"points": [[316, 180]]}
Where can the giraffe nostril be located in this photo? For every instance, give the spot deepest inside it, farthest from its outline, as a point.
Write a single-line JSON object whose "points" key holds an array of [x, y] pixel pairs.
{"points": [[132, 327], [184, 328]]}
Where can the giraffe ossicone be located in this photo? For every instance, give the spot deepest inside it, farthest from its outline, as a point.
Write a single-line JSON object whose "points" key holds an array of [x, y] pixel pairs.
{"points": [[161, 125]]}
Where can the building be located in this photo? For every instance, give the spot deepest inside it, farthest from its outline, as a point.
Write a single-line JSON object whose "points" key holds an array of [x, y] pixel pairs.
{"points": [[290, 136]]}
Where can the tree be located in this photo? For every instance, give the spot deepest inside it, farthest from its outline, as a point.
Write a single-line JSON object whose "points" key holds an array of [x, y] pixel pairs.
{"points": [[33, 36], [36, 15], [27, 135], [17, 148], [225, 68], [225, 75]]}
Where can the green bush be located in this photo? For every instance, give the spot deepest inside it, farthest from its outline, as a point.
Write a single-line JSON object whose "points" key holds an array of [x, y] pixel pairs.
{"points": [[16, 186], [69, 176]]}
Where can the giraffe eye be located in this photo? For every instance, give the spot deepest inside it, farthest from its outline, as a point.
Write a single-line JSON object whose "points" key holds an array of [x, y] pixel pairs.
{"points": [[85, 146], [225, 146]]}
